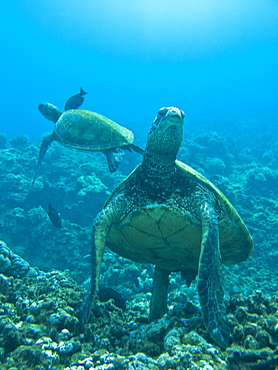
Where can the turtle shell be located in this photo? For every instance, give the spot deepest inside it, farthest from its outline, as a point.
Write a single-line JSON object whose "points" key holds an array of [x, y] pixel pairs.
{"points": [[169, 234], [86, 130]]}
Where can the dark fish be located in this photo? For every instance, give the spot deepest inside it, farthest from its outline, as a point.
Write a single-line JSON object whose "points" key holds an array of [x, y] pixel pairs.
{"points": [[54, 216], [104, 294], [76, 100]]}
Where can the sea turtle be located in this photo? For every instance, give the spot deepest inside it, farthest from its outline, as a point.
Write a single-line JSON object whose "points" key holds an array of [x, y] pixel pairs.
{"points": [[167, 214], [86, 130]]}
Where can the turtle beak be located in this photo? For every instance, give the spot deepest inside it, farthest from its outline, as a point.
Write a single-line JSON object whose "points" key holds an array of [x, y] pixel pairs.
{"points": [[172, 130], [175, 115], [165, 135], [173, 121]]}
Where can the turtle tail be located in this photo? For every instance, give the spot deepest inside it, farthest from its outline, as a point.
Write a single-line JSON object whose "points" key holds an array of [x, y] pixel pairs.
{"points": [[43, 149], [158, 305]]}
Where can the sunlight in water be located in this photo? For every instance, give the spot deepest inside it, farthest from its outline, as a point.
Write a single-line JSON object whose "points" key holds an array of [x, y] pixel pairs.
{"points": [[158, 27]]}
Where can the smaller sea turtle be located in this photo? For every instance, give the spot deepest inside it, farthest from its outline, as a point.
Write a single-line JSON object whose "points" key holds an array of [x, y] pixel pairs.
{"points": [[167, 214], [86, 130]]}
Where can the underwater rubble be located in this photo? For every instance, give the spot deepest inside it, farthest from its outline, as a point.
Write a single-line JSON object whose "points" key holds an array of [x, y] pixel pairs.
{"points": [[39, 330], [39, 327]]}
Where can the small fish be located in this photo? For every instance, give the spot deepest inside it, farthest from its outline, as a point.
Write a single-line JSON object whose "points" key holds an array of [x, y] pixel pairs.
{"points": [[76, 100], [104, 294], [54, 216]]}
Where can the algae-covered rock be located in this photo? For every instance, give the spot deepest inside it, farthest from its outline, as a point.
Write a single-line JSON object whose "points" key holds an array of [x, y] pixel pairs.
{"points": [[90, 185], [262, 179], [209, 153], [215, 165], [13, 265]]}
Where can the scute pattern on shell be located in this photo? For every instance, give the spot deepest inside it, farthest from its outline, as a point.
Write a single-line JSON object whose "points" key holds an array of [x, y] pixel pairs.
{"points": [[86, 130], [172, 219]]}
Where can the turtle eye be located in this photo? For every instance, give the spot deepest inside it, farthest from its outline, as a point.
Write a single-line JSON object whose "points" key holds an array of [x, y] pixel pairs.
{"points": [[162, 111]]}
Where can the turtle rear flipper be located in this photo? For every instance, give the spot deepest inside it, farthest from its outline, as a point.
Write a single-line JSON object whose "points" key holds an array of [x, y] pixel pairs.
{"points": [[114, 158], [209, 279], [43, 149], [158, 305]]}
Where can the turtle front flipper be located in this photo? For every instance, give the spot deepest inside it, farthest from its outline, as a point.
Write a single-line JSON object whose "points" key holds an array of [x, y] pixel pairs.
{"points": [[43, 149], [83, 313], [114, 157], [209, 279], [99, 236], [136, 149]]}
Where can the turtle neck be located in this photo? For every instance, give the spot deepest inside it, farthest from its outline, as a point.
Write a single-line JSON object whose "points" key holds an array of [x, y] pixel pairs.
{"points": [[159, 172]]}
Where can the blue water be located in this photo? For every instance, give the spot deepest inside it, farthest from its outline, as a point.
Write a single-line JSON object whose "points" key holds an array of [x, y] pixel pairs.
{"points": [[215, 59]]}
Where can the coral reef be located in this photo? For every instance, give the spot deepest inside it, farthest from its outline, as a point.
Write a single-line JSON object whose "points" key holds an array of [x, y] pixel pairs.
{"points": [[39, 330], [39, 327], [20, 142], [69, 179], [262, 180], [210, 152]]}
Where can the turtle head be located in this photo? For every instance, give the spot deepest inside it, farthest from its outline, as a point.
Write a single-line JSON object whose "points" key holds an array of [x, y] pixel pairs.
{"points": [[165, 135], [49, 111]]}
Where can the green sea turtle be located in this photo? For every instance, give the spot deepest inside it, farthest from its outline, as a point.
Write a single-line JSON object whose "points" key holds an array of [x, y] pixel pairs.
{"points": [[167, 214], [86, 130]]}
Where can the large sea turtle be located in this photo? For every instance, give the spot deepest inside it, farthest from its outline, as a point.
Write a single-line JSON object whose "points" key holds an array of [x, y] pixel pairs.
{"points": [[167, 214], [86, 130]]}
